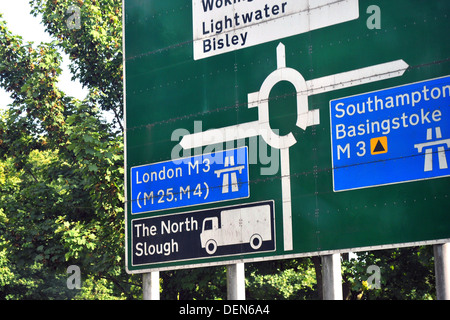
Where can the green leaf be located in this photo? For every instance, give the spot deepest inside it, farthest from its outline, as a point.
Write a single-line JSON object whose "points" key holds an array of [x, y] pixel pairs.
{"points": [[88, 138]]}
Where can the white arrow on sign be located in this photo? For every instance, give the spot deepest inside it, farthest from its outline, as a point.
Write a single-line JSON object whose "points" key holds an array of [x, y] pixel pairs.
{"points": [[305, 117]]}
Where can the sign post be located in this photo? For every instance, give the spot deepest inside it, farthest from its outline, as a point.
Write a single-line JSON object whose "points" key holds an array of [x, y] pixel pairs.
{"points": [[442, 270], [150, 286], [332, 277], [236, 282], [282, 129]]}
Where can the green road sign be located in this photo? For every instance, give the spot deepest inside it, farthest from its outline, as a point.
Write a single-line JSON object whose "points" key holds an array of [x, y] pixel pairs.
{"points": [[260, 130]]}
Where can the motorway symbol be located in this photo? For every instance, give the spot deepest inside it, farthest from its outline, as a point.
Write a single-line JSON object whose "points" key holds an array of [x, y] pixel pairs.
{"points": [[441, 143], [229, 172]]}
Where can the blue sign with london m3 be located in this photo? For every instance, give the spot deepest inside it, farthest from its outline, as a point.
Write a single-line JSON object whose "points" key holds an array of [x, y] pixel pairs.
{"points": [[391, 136], [195, 180]]}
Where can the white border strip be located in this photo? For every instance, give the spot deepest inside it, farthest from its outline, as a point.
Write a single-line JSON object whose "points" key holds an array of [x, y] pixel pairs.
{"points": [[293, 256], [125, 135]]}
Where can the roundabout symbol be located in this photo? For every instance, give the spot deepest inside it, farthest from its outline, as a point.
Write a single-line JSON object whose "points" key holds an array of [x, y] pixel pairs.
{"points": [[305, 117]]}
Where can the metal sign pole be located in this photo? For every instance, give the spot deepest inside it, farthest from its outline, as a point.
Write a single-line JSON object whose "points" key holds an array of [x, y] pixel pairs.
{"points": [[150, 286], [236, 282], [442, 270], [331, 277]]}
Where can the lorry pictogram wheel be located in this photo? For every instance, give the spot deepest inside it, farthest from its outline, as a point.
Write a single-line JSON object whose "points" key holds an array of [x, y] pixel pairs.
{"points": [[256, 241], [211, 246]]}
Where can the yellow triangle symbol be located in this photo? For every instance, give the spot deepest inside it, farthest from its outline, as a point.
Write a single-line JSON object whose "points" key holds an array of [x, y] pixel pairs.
{"points": [[378, 145]]}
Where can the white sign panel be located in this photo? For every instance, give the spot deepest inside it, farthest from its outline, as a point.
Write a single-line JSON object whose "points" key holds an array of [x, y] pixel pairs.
{"points": [[221, 26]]}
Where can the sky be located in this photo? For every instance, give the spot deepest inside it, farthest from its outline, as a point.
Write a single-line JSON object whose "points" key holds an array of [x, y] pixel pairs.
{"points": [[20, 22]]}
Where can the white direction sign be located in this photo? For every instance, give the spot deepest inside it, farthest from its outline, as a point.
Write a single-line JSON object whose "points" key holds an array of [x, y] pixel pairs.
{"points": [[221, 26]]}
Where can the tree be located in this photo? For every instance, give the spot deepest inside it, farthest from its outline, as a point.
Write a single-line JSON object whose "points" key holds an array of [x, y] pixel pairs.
{"points": [[65, 203], [404, 274]]}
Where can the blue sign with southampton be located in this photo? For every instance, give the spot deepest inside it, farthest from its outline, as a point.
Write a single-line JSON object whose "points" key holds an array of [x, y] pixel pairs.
{"points": [[391, 136], [195, 180]]}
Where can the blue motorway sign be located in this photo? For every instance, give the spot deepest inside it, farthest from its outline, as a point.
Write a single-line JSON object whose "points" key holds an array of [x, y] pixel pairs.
{"points": [[195, 180], [391, 136], [226, 231]]}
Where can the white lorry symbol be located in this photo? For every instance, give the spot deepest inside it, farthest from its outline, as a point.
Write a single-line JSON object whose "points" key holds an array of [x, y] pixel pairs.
{"points": [[244, 225]]}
